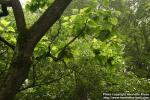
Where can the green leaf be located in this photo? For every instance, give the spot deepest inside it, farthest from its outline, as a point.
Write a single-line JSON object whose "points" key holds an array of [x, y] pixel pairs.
{"points": [[11, 29], [75, 11], [106, 3], [1, 28], [114, 21], [4, 22], [54, 48], [85, 10], [66, 18]]}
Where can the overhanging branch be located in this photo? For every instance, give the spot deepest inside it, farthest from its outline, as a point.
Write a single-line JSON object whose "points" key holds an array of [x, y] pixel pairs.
{"points": [[64, 48], [49, 17], [48, 54]]}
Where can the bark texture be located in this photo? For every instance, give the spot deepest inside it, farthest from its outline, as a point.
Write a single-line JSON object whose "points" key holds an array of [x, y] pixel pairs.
{"points": [[26, 42]]}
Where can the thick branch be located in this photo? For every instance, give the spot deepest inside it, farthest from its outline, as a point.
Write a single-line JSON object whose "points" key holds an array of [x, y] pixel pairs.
{"points": [[50, 16], [19, 15], [7, 43]]}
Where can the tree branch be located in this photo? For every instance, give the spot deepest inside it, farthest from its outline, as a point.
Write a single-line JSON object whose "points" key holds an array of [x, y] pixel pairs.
{"points": [[18, 13], [48, 53], [58, 33], [19, 16], [45, 83], [64, 48], [49, 17], [7, 43], [40, 84]]}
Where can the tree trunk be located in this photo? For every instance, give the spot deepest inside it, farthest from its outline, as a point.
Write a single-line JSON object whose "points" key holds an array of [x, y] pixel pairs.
{"points": [[18, 71], [16, 76]]}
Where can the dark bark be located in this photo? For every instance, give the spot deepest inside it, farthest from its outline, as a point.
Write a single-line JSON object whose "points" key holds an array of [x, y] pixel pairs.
{"points": [[19, 15], [27, 40], [18, 70], [16, 75], [50, 16]]}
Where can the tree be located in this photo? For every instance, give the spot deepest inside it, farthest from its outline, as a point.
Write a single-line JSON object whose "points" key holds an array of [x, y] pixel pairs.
{"points": [[26, 42], [135, 18]]}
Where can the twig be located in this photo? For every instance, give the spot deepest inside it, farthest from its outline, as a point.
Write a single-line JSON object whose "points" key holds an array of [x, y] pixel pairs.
{"points": [[48, 54], [7, 43], [58, 32], [64, 48], [45, 83]]}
